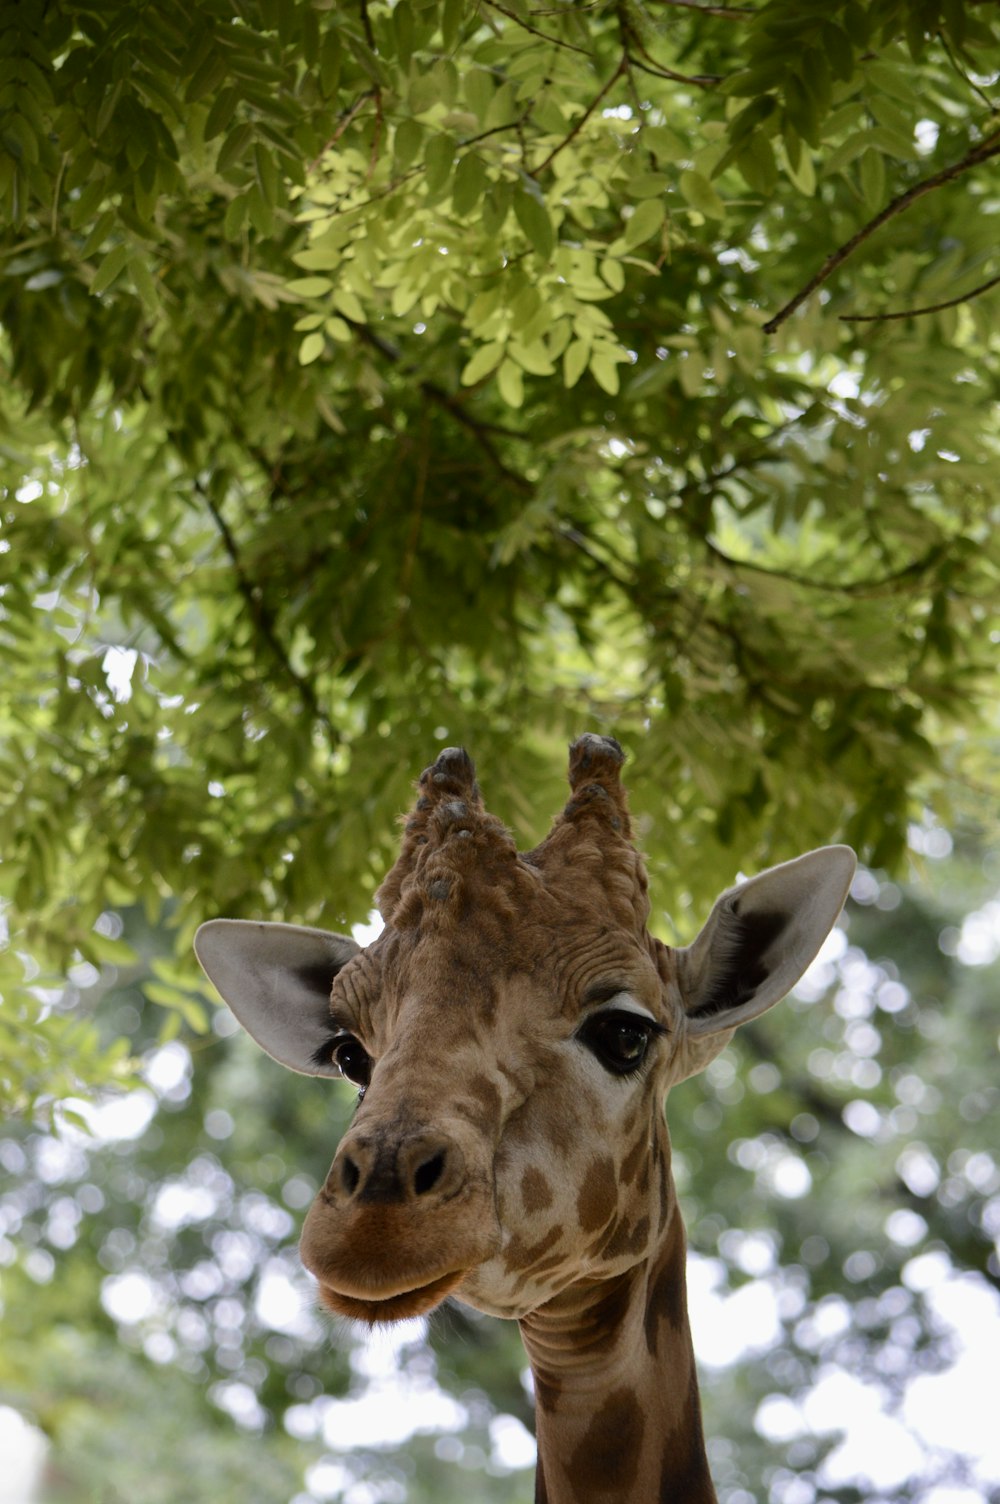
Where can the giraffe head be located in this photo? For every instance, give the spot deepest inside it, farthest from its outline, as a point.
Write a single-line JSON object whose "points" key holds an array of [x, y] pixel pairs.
{"points": [[513, 1032]]}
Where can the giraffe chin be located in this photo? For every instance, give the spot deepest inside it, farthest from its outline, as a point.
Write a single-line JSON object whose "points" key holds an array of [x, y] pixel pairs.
{"points": [[399, 1307]]}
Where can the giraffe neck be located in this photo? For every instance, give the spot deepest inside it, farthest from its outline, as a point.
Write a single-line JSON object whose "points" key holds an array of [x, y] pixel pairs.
{"points": [[617, 1407]]}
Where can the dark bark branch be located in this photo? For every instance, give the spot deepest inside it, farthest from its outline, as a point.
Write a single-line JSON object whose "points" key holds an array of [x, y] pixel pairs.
{"points": [[913, 313], [699, 80], [726, 12], [553, 41], [987, 148], [914, 570], [479, 430], [262, 619], [646, 63], [367, 24], [578, 127]]}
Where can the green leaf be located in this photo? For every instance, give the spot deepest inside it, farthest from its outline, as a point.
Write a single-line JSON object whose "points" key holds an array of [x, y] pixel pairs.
{"points": [[510, 383], [804, 175], [483, 363], [496, 206], [439, 159], [145, 284], [644, 222], [700, 194], [310, 287], [110, 269], [575, 360], [221, 113], [469, 184], [267, 174], [234, 147], [349, 304], [99, 234], [837, 45], [613, 272], [235, 216], [533, 217], [479, 89], [407, 141], [873, 179], [311, 348], [533, 358], [604, 370]]}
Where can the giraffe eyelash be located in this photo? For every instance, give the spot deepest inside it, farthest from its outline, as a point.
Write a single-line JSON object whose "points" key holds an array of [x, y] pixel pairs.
{"points": [[620, 1039], [345, 1051]]}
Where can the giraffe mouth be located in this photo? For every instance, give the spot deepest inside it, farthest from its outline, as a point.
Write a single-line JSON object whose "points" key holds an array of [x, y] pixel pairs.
{"points": [[399, 1306]]}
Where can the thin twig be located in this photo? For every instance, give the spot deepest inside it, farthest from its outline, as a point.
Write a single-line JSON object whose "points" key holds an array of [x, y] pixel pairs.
{"points": [[376, 136], [574, 536], [342, 125], [261, 616], [987, 148], [914, 570], [366, 22], [700, 80], [554, 41], [479, 430], [633, 42], [913, 313], [987, 101], [578, 127], [727, 12]]}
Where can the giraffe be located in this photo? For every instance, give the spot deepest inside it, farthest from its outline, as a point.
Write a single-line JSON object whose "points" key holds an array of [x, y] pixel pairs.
{"points": [[512, 1033]]}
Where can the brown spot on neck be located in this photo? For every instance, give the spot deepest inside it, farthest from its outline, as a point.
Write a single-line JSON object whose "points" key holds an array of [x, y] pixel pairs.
{"points": [[606, 1461], [666, 1290], [684, 1473]]}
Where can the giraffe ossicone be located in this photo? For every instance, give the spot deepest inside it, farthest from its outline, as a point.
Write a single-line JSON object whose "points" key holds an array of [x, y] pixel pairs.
{"points": [[513, 1032]]}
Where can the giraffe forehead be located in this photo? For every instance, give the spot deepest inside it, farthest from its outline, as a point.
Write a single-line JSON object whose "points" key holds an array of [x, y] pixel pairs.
{"points": [[490, 969]]}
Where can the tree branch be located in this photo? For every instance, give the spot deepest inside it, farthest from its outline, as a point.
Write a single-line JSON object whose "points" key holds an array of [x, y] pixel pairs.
{"points": [[578, 127], [553, 41], [261, 617], [913, 570], [726, 12], [700, 80], [912, 313], [633, 43], [441, 398], [988, 147]]}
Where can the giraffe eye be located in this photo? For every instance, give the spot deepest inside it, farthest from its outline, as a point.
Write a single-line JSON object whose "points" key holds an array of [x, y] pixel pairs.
{"points": [[352, 1059], [619, 1040]]}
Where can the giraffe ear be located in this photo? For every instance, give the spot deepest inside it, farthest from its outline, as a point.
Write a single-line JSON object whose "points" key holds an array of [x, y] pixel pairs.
{"points": [[759, 939], [277, 978]]}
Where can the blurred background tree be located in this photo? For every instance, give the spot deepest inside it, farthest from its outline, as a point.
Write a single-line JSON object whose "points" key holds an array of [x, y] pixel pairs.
{"points": [[384, 375]]}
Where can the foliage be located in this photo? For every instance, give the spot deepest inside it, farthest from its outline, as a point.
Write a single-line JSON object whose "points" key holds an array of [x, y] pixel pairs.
{"points": [[377, 375]]}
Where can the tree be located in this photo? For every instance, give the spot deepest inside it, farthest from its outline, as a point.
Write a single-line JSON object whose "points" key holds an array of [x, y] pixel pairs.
{"points": [[380, 375], [385, 374]]}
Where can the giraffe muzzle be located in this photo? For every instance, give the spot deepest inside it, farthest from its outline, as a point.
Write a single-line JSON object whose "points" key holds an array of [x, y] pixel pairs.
{"points": [[398, 1224], [395, 1169]]}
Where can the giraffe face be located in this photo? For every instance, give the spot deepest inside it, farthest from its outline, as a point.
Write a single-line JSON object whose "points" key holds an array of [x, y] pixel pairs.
{"points": [[513, 1032], [509, 1141]]}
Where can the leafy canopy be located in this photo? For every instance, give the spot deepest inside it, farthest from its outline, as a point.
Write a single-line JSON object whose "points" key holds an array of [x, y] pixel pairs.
{"points": [[378, 375]]}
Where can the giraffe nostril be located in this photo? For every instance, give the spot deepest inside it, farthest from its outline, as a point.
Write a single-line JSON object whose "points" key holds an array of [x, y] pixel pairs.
{"points": [[428, 1174], [349, 1175]]}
